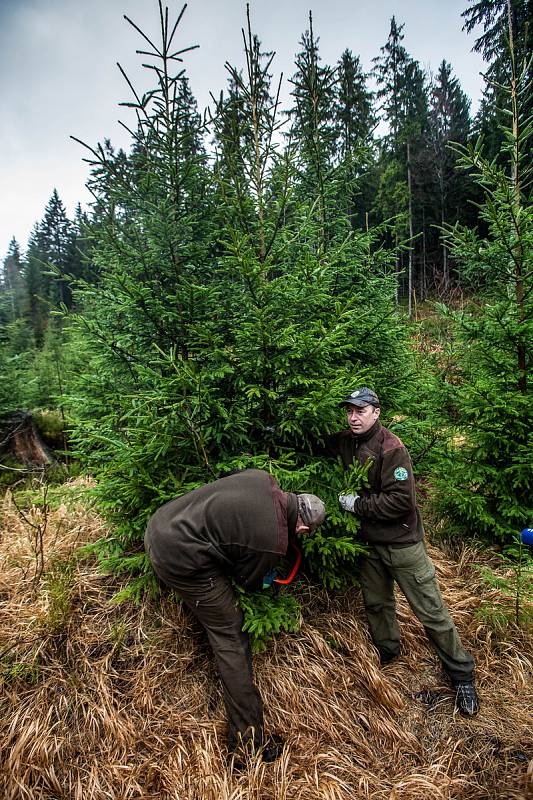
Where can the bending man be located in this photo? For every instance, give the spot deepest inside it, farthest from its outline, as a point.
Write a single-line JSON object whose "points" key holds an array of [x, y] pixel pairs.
{"points": [[237, 526]]}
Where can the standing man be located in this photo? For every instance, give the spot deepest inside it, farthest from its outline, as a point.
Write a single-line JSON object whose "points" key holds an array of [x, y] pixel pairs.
{"points": [[392, 528], [237, 526]]}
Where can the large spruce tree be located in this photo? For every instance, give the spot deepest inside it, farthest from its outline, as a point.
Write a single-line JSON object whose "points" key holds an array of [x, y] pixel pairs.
{"points": [[451, 189], [225, 325], [354, 130], [496, 23], [404, 107], [12, 284], [313, 127], [487, 486]]}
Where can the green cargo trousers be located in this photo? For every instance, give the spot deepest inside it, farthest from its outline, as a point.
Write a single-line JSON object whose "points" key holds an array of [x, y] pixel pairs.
{"points": [[213, 602], [414, 573]]}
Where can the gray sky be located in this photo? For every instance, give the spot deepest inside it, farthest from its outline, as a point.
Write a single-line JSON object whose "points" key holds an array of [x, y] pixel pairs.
{"points": [[58, 73]]}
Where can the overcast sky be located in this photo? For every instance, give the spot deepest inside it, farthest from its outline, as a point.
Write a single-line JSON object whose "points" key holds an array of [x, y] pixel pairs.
{"points": [[58, 73]]}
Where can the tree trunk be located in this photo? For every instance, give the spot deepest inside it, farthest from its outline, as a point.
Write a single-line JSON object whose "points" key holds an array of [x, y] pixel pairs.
{"points": [[410, 268], [445, 267], [516, 206], [21, 439], [424, 266]]}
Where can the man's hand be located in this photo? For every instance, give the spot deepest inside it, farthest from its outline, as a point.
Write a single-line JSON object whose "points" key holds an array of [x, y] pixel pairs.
{"points": [[347, 501]]}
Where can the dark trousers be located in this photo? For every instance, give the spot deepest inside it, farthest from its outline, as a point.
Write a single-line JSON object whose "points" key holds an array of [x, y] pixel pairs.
{"points": [[414, 572], [213, 602]]}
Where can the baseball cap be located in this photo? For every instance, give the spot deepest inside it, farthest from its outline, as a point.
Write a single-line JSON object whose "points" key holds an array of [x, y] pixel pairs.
{"points": [[363, 396]]}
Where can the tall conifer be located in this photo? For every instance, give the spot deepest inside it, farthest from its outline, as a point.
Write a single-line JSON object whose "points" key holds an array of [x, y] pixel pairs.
{"points": [[222, 332], [449, 121], [12, 283], [354, 123], [488, 486], [500, 20], [403, 94], [313, 125]]}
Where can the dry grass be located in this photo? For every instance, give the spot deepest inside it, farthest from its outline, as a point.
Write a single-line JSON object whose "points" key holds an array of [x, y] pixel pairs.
{"points": [[106, 702]]}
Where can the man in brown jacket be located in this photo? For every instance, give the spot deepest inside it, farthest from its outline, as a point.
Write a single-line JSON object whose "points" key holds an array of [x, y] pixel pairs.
{"points": [[392, 528], [237, 526]]}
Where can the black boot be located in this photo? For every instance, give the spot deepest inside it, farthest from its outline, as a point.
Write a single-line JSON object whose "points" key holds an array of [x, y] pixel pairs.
{"points": [[386, 656], [466, 699], [272, 749]]}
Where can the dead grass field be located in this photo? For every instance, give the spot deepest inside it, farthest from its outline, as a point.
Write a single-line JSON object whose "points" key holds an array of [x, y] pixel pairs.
{"points": [[107, 702]]}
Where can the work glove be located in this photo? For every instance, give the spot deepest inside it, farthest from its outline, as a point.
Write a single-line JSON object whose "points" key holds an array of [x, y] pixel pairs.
{"points": [[347, 501], [269, 578]]}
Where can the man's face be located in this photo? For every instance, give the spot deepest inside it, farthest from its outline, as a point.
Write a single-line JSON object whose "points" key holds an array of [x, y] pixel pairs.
{"points": [[361, 419]]}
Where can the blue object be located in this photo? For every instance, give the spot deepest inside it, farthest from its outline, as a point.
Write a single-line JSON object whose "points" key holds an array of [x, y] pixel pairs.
{"points": [[527, 536], [268, 580]]}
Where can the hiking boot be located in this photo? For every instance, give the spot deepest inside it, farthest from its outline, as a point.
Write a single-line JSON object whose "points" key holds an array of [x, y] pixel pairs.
{"points": [[466, 699], [241, 758], [272, 749], [385, 657]]}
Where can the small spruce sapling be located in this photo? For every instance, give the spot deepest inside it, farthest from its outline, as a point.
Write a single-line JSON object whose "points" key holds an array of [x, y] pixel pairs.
{"points": [[515, 587]]}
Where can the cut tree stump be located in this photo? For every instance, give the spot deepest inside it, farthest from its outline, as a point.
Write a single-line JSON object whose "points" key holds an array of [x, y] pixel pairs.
{"points": [[20, 438]]}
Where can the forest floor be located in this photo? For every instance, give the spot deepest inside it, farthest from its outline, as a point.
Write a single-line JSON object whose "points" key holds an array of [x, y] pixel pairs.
{"points": [[101, 701]]}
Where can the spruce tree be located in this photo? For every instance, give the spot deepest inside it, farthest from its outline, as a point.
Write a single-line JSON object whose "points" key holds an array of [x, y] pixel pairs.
{"points": [[488, 484], [225, 326], [403, 94], [79, 254], [353, 108], [354, 126], [29, 372], [449, 122], [500, 21], [415, 125], [390, 69], [12, 284], [16, 342], [55, 243], [313, 126], [36, 285], [51, 259]]}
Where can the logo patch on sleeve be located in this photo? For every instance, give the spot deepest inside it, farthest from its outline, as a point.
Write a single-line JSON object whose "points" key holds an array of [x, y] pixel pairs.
{"points": [[401, 474]]}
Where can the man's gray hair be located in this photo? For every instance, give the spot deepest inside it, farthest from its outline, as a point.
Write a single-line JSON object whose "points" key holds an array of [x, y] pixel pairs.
{"points": [[311, 510]]}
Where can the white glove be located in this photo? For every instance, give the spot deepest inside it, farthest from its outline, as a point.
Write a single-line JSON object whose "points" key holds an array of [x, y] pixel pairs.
{"points": [[347, 501]]}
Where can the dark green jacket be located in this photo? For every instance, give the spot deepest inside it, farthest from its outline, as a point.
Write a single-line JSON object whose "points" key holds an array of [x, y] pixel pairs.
{"points": [[387, 508], [237, 525]]}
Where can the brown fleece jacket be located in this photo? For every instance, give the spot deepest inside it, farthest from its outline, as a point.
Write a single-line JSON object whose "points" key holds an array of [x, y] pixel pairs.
{"points": [[237, 525], [387, 508]]}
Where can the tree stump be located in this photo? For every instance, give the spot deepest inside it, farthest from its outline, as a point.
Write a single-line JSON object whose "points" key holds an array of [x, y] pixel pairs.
{"points": [[20, 438]]}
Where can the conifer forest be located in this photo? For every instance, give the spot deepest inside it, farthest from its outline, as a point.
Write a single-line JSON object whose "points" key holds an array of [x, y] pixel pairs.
{"points": [[237, 272]]}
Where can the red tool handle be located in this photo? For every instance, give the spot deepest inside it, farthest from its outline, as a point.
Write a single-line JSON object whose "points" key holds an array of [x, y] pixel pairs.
{"points": [[292, 574]]}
